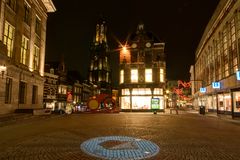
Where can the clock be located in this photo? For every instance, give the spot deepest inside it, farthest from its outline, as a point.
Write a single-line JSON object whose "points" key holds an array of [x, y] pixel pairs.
{"points": [[134, 45], [148, 44]]}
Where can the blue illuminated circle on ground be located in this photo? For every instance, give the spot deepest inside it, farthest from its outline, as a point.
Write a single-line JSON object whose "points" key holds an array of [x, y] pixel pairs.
{"points": [[119, 147]]}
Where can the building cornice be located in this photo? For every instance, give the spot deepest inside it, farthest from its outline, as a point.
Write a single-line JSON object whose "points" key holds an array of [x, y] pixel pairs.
{"points": [[49, 5], [218, 15]]}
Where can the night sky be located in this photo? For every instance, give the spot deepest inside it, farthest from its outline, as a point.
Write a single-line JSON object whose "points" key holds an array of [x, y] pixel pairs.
{"points": [[178, 23]]}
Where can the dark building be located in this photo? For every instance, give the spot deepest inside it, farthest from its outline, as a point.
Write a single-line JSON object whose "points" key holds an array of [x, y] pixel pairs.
{"points": [[142, 72], [99, 70], [62, 84]]}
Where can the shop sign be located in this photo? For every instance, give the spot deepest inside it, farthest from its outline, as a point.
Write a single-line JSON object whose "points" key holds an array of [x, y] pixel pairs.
{"points": [[203, 90], [216, 84], [238, 75], [155, 103]]}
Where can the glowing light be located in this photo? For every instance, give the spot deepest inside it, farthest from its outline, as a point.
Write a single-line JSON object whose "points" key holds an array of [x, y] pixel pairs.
{"points": [[124, 49]]}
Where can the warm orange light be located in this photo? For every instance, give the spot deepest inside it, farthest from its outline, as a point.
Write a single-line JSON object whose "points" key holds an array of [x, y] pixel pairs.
{"points": [[124, 49], [125, 54]]}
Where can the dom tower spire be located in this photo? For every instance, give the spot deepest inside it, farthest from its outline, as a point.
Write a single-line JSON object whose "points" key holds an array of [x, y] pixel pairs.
{"points": [[99, 70]]}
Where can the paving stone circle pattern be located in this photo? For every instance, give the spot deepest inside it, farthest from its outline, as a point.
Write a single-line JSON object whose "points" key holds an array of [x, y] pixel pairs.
{"points": [[120, 148]]}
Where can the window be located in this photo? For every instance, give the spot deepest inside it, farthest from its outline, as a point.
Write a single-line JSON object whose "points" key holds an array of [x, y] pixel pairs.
{"points": [[134, 75], [24, 49], [125, 92], [9, 38], [161, 75], [121, 76], [148, 75], [158, 91], [38, 26], [34, 94], [26, 17], [11, 4], [62, 89], [141, 91], [22, 92], [35, 58], [8, 91]]}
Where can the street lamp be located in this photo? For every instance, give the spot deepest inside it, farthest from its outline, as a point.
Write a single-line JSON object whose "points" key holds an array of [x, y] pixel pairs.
{"points": [[3, 69]]}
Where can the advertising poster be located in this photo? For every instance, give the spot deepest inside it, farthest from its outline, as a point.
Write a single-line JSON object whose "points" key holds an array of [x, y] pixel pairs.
{"points": [[155, 103]]}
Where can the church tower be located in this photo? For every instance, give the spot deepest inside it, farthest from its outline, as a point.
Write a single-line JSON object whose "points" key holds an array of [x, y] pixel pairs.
{"points": [[99, 70]]}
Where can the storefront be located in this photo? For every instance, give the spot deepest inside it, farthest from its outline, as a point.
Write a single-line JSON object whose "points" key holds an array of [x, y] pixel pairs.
{"points": [[222, 103], [140, 98]]}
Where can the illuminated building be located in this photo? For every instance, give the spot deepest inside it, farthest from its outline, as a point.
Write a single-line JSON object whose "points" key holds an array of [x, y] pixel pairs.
{"points": [[56, 85], [22, 51], [215, 75], [142, 71], [99, 71], [50, 87]]}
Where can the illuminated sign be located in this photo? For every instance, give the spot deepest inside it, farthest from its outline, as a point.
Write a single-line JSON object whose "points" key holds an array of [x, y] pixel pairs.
{"points": [[203, 90], [216, 84], [238, 75], [155, 103]]}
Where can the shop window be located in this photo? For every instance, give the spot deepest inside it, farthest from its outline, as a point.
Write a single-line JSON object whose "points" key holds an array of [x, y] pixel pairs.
{"points": [[125, 92], [125, 102]]}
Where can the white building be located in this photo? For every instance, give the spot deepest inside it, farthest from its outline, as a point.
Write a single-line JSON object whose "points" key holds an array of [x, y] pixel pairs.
{"points": [[216, 71], [22, 53]]}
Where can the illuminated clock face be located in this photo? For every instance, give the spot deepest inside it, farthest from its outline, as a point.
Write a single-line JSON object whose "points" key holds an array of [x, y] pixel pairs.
{"points": [[148, 44], [134, 45]]}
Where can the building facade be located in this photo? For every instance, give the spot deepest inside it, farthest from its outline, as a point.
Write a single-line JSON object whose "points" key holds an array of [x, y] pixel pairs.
{"points": [[50, 88], [22, 42], [99, 70], [215, 75], [142, 72]]}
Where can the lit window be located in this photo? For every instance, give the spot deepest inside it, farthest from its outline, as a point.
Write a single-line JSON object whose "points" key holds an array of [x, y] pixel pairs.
{"points": [[24, 49], [161, 75], [158, 91], [8, 40], [134, 75], [36, 58], [141, 91], [125, 92], [148, 75], [121, 76]]}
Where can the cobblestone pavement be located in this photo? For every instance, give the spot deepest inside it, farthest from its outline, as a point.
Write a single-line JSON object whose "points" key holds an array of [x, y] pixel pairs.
{"points": [[185, 136]]}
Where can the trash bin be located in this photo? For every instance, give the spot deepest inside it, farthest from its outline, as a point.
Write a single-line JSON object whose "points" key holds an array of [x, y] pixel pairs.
{"points": [[202, 110]]}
